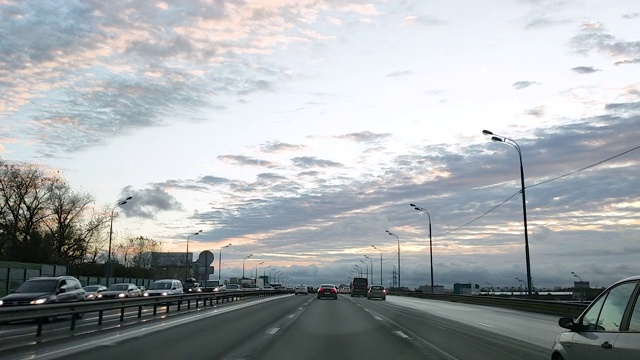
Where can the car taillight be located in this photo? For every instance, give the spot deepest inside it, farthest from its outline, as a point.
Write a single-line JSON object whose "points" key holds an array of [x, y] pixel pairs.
{"points": [[333, 290]]}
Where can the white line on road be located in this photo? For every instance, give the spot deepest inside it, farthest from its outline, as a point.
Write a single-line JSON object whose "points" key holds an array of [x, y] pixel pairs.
{"points": [[487, 325], [272, 331], [401, 334], [292, 316]]}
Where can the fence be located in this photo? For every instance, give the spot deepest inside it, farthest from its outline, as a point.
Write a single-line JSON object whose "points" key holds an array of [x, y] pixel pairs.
{"points": [[13, 274]]}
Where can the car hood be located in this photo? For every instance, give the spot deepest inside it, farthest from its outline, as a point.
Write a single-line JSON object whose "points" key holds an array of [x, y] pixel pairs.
{"points": [[26, 296]]}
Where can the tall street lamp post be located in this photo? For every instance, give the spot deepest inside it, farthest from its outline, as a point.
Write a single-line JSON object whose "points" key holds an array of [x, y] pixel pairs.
{"points": [[359, 270], [108, 267], [243, 260], [264, 274], [371, 261], [366, 266], [186, 275], [220, 263], [419, 208], [260, 263], [398, 238], [381, 282], [506, 140]]}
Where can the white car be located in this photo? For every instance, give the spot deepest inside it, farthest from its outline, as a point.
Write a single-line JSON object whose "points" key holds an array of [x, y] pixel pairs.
{"points": [[164, 287], [608, 329], [301, 289]]}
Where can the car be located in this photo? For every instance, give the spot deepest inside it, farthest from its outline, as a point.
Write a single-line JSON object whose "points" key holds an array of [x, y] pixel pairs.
{"points": [[301, 289], [121, 291], [233, 287], [267, 287], [190, 285], [359, 286], [377, 291], [93, 292], [165, 287], [45, 290], [328, 290], [608, 328], [311, 289]]}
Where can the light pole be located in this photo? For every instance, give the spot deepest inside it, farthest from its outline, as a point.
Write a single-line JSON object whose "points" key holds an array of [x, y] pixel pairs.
{"points": [[506, 140], [264, 271], [271, 276], [582, 295], [366, 266], [576, 275], [371, 261], [359, 270], [245, 258], [398, 238], [220, 264], [419, 208], [522, 282], [186, 275], [381, 282], [108, 270], [260, 263]]}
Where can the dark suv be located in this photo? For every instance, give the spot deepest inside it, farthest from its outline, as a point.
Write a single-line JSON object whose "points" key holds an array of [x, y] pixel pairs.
{"points": [[45, 290], [359, 286]]}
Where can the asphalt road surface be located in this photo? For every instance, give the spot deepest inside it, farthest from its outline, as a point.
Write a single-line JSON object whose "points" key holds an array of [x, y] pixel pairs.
{"points": [[303, 327]]}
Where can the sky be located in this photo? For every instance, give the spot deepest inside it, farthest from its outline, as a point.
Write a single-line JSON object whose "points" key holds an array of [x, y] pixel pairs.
{"points": [[299, 131]]}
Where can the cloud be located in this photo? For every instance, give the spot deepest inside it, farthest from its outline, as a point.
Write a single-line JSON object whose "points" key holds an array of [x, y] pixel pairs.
{"points": [[365, 137], [518, 85], [537, 112], [398, 74], [279, 147], [242, 160], [584, 69], [312, 162], [147, 203], [593, 38]]}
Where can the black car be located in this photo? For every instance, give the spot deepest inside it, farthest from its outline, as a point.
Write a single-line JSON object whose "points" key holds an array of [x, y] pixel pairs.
{"points": [[359, 286], [45, 290], [328, 290]]}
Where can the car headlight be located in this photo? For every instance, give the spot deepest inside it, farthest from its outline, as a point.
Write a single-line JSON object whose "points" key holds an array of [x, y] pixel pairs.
{"points": [[145, 294], [1, 302], [121, 295], [90, 296], [38, 301], [199, 290], [164, 293]]}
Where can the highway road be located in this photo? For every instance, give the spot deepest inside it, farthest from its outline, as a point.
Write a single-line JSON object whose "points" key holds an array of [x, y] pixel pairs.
{"points": [[293, 327]]}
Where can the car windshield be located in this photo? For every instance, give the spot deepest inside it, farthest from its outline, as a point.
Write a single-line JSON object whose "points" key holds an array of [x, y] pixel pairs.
{"points": [[92, 288], [161, 286], [377, 288], [232, 286], [118, 287], [35, 286]]}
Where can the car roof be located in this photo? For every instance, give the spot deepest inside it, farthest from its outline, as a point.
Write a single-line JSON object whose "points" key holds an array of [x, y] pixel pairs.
{"points": [[327, 285]]}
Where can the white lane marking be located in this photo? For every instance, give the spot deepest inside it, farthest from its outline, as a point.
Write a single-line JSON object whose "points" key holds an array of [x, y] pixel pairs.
{"points": [[487, 325], [377, 318], [292, 316], [401, 334], [272, 331]]}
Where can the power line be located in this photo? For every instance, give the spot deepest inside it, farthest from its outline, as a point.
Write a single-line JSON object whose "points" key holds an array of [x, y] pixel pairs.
{"points": [[540, 183]]}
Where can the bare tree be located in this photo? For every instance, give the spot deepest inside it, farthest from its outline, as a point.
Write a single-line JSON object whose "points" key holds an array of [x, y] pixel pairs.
{"points": [[72, 225], [24, 190]]}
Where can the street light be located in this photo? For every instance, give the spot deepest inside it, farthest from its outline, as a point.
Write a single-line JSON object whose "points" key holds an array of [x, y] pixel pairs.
{"points": [[506, 140], [371, 261], [108, 267], [381, 282], [397, 237], [521, 281], [260, 263], [245, 258], [366, 266], [186, 275], [220, 263], [359, 270], [264, 271], [419, 208], [271, 276], [576, 275]]}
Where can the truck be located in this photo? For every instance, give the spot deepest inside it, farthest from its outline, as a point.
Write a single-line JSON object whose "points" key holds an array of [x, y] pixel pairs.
{"points": [[359, 286]]}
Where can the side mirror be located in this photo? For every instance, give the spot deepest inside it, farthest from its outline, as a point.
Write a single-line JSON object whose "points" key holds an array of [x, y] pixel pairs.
{"points": [[62, 289], [568, 323]]}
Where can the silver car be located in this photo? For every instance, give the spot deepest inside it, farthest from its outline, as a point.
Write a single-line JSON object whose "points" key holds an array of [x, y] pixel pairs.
{"points": [[608, 329]]}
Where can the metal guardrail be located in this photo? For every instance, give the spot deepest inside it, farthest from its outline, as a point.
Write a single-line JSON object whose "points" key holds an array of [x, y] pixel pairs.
{"points": [[40, 313], [558, 308]]}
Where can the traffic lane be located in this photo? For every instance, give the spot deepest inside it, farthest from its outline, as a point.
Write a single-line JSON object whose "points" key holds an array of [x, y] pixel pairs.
{"points": [[457, 338], [206, 334], [330, 329], [538, 329]]}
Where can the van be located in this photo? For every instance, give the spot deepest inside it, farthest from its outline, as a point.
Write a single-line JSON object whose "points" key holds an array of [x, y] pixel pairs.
{"points": [[359, 286], [165, 287]]}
